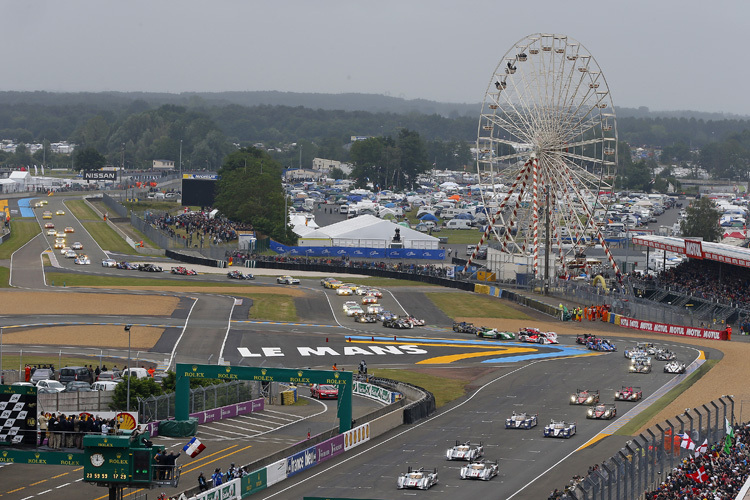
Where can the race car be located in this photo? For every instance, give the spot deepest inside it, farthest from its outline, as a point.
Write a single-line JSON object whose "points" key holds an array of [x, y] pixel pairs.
{"points": [[528, 332], [150, 268], [533, 335], [584, 397], [675, 366], [494, 333], [343, 290], [70, 254], [384, 315], [60, 212], [59, 243], [61, 234], [465, 451], [629, 393], [49, 225], [182, 271], [70, 229], [585, 338], [398, 323], [634, 352], [109, 263], [375, 293], [287, 280], [362, 290], [374, 309], [77, 245], [420, 479], [414, 321], [521, 421], [602, 345], [47, 215], [324, 391], [664, 355], [332, 283], [642, 358], [82, 260], [51, 232], [640, 366], [127, 265], [464, 327], [365, 318], [348, 304], [602, 412], [482, 469], [324, 281], [369, 299], [354, 310], [559, 429], [238, 275]]}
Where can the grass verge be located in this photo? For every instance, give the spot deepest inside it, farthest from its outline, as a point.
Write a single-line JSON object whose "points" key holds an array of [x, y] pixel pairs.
{"points": [[444, 389], [640, 420], [473, 306], [14, 361], [21, 233], [272, 307], [4, 277], [107, 238], [384, 282], [72, 279], [81, 210]]}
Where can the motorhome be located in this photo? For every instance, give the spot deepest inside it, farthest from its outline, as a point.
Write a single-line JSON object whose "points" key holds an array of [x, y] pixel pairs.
{"points": [[458, 224]]}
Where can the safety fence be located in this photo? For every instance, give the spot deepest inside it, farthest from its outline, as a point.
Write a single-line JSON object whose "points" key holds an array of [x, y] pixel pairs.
{"points": [[646, 460], [162, 407]]}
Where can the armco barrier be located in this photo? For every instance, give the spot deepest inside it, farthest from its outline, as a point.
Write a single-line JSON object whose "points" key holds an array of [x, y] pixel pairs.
{"points": [[194, 259]]}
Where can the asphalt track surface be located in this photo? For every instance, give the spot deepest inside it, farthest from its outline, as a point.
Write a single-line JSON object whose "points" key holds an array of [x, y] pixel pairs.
{"points": [[519, 377]]}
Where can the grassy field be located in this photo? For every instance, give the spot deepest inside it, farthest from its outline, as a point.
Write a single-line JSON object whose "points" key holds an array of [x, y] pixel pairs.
{"points": [[107, 238], [138, 279], [639, 420], [444, 389], [13, 361], [474, 306], [81, 210], [21, 232], [4, 277], [272, 307]]}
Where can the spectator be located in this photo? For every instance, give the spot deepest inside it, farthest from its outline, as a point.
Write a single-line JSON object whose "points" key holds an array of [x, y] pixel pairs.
{"points": [[216, 477], [202, 485]]}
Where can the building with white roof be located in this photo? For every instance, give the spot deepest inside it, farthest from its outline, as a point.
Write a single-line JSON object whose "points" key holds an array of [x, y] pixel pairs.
{"points": [[367, 231]]}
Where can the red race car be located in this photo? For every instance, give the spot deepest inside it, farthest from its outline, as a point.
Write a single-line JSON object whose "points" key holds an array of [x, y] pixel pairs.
{"points": [[324, 391], [629, 394], [183, 271]]}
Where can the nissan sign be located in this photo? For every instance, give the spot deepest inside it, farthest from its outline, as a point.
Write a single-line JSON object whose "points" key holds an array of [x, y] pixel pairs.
{"points": [[99, 175]]}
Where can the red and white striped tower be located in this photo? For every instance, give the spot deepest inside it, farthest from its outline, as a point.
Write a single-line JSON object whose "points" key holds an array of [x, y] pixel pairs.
{"points": [[535, 215]]}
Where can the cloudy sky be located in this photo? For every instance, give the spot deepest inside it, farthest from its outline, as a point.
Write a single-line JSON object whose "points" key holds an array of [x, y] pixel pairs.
{"points": [[664, 54]]}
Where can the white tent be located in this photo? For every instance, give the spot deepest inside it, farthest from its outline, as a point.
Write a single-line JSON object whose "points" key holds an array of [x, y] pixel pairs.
{"points": [[367, 231]]}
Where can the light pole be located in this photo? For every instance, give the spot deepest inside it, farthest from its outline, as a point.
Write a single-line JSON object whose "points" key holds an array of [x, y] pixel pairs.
{"points": [[127, 329]]}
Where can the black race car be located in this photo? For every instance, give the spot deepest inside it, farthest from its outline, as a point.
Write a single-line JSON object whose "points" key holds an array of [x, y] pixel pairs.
{"points": [[237, 275], [585, 338], [149, 268], [396, 322], [464, 327]]}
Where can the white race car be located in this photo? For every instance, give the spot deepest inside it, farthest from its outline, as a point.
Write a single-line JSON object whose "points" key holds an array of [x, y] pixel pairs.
{"points": [[675, 367], [287, 280], [484, 470], [420, 479], [640, 366], [465, 451], [560, 429], [521, 421]]}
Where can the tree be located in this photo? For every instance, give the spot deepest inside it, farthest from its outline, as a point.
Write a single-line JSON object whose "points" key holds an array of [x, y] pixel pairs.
{"points": [[336, 173], [701, 220], [139, 388], [89, 159]]}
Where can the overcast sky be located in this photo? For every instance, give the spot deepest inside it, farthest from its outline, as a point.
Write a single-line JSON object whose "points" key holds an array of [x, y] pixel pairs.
{"points": [[664, 54]]}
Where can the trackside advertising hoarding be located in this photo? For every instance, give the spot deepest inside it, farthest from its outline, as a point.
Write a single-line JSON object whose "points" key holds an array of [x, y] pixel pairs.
{"points": [[682, 331], [226, 491], [375, 392]]}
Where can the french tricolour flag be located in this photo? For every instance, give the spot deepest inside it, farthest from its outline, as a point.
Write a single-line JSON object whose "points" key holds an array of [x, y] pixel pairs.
{"points": [[194, 447]]}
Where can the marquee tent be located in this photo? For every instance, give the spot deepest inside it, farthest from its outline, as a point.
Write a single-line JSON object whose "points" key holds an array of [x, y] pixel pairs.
{"points": [[367, 231]]}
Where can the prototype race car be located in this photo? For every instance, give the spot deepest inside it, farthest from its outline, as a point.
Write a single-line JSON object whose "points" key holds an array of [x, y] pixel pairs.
{"points": [[464, 327], [629, 393], [535, 336], [675, 366], [366, 318], [602, 345], [237, 275], [414, 321], [465, 451], [664, 355], [585, 338], [602, 411], [640, 366], [484, 470], [584, 397], [396, 322], [82, 260], [127, 265], [494, 333], [560, 429], [149, 268], [420, 479], [183, 271], [521, 421], [287, 280]]}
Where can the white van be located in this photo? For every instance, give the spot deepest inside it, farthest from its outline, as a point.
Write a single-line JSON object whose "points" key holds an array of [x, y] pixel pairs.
{"points": [[136, 372], [458, 224], [343, 209], [104, 385]]}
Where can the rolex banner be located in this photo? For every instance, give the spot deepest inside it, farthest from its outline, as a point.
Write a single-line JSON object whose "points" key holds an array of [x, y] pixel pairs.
{"points": [[17, 415]]}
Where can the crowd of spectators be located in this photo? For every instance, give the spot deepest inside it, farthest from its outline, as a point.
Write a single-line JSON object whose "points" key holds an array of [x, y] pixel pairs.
{"points": [[723, 474], [59, 430], [219, 478], [709, 280], [199, 226]]}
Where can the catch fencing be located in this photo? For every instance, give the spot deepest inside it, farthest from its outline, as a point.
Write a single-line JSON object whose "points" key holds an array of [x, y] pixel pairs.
{"points": [[648, 458], [157, 408]]}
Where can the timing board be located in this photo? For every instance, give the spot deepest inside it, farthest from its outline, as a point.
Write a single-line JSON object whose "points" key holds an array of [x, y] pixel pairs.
{"points": [[18, 407]]}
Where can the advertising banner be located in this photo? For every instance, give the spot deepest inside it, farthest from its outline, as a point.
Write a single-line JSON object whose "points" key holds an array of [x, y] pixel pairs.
{"points": [[330, 448], [682, 331], [300, 461], [228, 491], [18, 409], [98, 175], [374, 392], [357, 252], [228, 411], [276, 472], [253, 482], [356, 436]]}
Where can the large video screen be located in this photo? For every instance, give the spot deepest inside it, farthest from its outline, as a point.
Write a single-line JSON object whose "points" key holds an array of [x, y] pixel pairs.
{"points": [[198, 192], [18, 415]]}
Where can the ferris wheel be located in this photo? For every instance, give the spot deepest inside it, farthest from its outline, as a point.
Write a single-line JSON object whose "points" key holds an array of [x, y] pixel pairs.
{"points": [[546, 151]]}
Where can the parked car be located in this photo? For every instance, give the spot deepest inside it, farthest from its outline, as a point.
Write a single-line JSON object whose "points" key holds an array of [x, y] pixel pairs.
{"points": [[42, 374], [104, 386], [78, 386], [50, 386], [75, 374]]}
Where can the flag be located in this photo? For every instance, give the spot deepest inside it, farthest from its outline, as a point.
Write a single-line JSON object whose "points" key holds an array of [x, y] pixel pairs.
{"points": [[699, 476], [686, 442], [702, 448], [35, 171], [730, 435], [194, 447], [42, 169]]}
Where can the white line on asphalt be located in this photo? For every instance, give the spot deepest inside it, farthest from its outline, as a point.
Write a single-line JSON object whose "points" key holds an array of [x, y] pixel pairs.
{"points": [[62, 485], [271, 418], [184, 327], [226, 335], [43, 492]]}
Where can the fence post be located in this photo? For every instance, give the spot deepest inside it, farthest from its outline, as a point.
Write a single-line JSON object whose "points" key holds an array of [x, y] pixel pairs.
{"points": [[632, 470], [653, 457], [609, 481], [731, 420], [700, 426], [715, 436]]}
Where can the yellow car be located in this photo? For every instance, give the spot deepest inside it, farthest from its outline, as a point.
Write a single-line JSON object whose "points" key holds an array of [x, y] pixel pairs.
{"points": [[47, 215], [69, 230], [43, 202], [334, 284], [60, 212]]}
